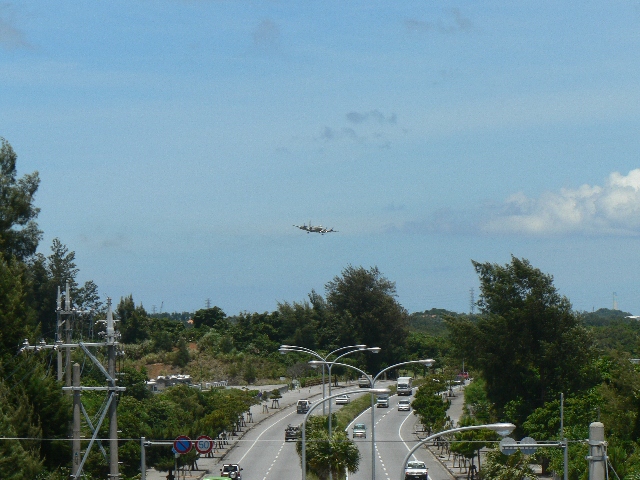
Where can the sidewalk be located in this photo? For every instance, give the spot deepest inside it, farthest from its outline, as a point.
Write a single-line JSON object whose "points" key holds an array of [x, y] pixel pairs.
{"points": [[456, 466], [258, 413]]}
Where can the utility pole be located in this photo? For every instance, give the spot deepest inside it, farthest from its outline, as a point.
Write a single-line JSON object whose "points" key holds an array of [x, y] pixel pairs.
{"points": [[111, 342], [472, 301], [113, 418], [77, 405], [597, 452]]}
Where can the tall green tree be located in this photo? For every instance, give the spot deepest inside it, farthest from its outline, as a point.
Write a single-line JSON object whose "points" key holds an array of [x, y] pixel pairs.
{"points": [[364, 304], [429, 405], [326, 456], [16, 318], [19, 233], [211, 317], [134, 323], [528, 343]]}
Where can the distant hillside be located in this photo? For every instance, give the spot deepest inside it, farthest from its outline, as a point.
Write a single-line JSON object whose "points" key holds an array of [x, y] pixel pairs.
{"points": [[430, 321], [604, 316]]}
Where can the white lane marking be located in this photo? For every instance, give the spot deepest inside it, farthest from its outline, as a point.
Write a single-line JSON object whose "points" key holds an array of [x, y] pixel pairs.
{"points": [[273, 463], [258, 437], [400, 435]]}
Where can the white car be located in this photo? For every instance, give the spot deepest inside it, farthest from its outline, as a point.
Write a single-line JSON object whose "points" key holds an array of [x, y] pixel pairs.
{"points": [[404, 405], [416, 470], [342, 400]]}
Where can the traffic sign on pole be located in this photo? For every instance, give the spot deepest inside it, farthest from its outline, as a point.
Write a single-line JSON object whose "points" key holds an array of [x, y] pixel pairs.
{"points": [[204, 444], [508, 445], [528, 450], [182, 444]]}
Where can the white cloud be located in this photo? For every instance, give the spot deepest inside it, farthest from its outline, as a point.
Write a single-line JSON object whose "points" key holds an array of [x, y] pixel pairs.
{"points": [[612, 209]]}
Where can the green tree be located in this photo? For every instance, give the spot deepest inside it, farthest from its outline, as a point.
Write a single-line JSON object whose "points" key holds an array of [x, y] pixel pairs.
{"points": [[469, 443], [87, 297], [13, 454], [528, 343], [429, 405], [182, 357], [211, 317], [476, 403], [363, 302], [19, 233], [15, 315], [502, 467], [134, 323], [249, 373], [47, 275], [324, 455]]}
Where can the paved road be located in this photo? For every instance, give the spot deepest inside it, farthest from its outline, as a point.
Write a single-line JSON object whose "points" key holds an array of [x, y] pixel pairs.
{"points": [[263, 454], [261, 420], [394, 438]]}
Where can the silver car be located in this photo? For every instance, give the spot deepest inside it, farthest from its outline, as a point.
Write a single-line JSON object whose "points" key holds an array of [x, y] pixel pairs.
{"points": [[404, 405], [416, 470], [359, 430]]}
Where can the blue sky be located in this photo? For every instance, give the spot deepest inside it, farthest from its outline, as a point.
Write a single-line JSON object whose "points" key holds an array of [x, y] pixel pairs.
{"points": [[178, 142]]}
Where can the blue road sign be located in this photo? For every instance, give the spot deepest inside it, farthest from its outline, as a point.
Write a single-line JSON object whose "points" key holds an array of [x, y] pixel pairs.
{"points": [[182, 444]]}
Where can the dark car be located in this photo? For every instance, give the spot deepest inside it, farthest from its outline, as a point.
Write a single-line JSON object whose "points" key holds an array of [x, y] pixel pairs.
{"points": [[291, 433], [303, 406]]}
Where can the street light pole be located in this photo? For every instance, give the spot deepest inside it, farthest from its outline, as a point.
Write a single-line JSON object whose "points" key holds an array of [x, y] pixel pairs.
{"points": [[306, 417], [294, 348], [428, 363], [502, 429], [335, 361], [315, 363]]}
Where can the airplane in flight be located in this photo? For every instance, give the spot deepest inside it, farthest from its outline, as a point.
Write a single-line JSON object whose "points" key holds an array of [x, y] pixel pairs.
{"points": [[315, 229]]}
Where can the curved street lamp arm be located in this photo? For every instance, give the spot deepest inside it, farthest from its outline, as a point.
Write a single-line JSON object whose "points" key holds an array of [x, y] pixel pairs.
{"points": [[355, 347], [294, 348], [315, 362], [347, 353], [501, 428], [422, 362]]}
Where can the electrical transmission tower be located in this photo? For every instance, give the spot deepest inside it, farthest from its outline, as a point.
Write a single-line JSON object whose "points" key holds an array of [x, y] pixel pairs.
{"points": [[472, 301], [67, 321]]}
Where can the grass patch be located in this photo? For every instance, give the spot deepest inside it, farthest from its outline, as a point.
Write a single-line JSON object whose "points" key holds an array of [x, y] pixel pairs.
{"points": [[348, 412]]}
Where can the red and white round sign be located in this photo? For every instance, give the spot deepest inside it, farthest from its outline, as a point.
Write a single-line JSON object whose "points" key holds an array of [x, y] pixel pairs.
{"points": [[204, 444]]}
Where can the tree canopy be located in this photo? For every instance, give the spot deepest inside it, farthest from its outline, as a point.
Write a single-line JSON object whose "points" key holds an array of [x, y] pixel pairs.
{"points": [[364, 303], [19, 233], [528, 343]]}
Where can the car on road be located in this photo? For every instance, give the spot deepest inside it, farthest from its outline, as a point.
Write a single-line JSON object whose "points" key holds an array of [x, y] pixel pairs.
{"points": [[382, 401], [342, 400], [363, 382], [359, 430], [404, 405], [292, 432], [231, 470], [303, 406], [416, 470]]}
